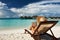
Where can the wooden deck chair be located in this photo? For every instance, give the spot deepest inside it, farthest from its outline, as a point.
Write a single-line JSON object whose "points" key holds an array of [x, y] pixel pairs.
{"points": [[42, 28]]}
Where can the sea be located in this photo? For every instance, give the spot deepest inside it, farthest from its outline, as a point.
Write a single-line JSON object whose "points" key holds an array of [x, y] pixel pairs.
{"points": [[17, 23]]}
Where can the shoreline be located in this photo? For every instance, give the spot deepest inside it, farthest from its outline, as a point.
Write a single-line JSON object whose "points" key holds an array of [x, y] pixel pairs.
{"points": [[13, 30]]}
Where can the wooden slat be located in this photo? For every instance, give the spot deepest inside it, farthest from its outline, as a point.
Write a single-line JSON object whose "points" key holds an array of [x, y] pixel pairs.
{"points": [[51, 24]]}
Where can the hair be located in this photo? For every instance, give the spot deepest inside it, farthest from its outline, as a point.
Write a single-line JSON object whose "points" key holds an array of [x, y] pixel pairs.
{"points": [[40, 19]]}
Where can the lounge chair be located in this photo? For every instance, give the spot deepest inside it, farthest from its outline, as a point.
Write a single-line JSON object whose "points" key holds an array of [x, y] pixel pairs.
{"points": [[42, 28]]}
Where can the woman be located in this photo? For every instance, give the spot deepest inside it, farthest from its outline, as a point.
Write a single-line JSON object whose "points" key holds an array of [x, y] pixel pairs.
{"points": [[35, 24], [39, 20]]}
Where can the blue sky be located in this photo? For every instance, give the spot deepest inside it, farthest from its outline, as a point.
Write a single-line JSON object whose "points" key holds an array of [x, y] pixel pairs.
{"points": [[18, 3], [17, 8]]}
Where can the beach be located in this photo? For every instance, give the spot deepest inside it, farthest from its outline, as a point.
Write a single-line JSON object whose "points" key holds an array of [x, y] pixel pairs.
{"points": [[14, 34], [18, 34]]}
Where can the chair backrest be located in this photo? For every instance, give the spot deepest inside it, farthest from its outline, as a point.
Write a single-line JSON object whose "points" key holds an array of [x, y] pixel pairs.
{"points": [[43, 27]]}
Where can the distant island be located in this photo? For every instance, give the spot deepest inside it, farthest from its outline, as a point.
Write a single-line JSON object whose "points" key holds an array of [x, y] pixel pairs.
{"points": [[34, 17], [28, 17], [54, 17], [31, 17]]}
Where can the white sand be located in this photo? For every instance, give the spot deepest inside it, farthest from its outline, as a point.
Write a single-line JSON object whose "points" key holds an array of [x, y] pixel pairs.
{"points": [[18, 34], [56, 31], [15, 34]]}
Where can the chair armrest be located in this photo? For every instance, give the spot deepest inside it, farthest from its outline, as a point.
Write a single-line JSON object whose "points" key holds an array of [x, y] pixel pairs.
{"points": [[28, 31]]}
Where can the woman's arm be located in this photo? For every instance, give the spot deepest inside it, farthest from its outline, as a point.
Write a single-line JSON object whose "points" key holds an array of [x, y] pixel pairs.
{"points": [[30, 28]]}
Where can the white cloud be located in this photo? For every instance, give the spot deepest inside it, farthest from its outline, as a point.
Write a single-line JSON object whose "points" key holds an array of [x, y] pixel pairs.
{"points": [[3, 6], [14, 9], [55, 0], [1, 13], [38, 7], [5, 12]]}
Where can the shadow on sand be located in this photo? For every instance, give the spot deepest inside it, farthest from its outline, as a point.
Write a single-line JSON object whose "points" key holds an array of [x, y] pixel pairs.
{"points": [[47, 37]]}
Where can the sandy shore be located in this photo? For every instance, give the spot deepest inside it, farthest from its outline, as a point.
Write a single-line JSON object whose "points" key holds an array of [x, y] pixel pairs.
{"points": [[18, 34], [14, 34]]}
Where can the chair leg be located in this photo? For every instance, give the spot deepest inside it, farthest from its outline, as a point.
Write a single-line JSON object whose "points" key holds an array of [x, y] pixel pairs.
{"points": [[54, 38], [52, 32]]}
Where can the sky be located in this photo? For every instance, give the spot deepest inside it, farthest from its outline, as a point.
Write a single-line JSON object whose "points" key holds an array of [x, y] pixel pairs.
{"points": [[18, 3], [17, 8]]}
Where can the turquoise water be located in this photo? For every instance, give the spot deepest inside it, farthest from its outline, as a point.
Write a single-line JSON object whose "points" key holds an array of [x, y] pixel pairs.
{"points": [[16, 23]]}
